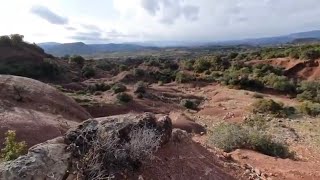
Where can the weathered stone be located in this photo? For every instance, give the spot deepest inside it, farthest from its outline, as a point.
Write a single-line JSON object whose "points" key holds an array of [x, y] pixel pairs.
{"points": [[180, 136], [48, 161], [53, 159]]}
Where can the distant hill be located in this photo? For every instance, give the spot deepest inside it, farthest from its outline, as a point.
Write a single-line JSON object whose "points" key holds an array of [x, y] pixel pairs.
{"points": [[80, 48], [305, 40], [276, 39]]}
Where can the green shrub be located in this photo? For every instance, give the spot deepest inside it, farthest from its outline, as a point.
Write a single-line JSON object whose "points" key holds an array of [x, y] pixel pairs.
{"points": [[43, 70], [182, 77], [12, 149], [16, 39], [281, 83], [88, 72], [309, 108], [79, 60], [118, 88], [234, 136], [309, 91], [98, 87], [310, 54], [124, 97], [138, 72], [5, 41], [189, 103], [140, 88], [272, 107], [123, 67], [257, 122], [104, 65]]}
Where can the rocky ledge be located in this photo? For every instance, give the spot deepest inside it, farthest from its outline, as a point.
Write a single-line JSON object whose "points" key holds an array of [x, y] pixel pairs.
{"points": [[64, 157]]}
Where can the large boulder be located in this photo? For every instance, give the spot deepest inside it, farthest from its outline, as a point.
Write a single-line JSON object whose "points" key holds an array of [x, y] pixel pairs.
{"points": [[48, 161], [61, 158], [35, 110]]}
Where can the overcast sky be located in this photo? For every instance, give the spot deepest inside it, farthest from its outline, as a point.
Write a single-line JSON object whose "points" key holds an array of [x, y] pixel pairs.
{"points": [[103, 21]]}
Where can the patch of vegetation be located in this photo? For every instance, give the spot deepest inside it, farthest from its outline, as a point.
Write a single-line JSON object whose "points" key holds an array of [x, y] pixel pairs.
{"points": [[234, 136], [107, 158], [43, 70], [79, 60], [272, 107], [12, 149], [98, 87], [124, 97], [88, 71], [104, 65], [213, 63], [309, 91], [309, 108], [182, 77], [138, 72], [118, 88], [189, 103], [140, 88]]}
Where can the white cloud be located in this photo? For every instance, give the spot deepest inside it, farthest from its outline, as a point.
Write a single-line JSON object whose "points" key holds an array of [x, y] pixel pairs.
{"points": [[170, 20]]}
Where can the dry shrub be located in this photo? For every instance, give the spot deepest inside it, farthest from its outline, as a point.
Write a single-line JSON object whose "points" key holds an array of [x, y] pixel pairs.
{"points": [[109, 156]]}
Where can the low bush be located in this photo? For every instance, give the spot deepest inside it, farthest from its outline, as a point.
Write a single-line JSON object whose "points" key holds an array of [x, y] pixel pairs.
{"points": [[189, 103], [310, 54], [79, 60], [309, 91], [118, 88], [43, 70], [98, 87], [138, 72], [182, 77], [108, 158], [235, 136], [140, 88], [12, 149], [309, 108], [88, 72], [272, 107], [124, 97]]}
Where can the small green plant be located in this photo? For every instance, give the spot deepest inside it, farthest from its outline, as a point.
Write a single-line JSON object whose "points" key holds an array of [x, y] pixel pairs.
{"points": [[189, 103], [118, 88], [12, 149], [124, 97]]}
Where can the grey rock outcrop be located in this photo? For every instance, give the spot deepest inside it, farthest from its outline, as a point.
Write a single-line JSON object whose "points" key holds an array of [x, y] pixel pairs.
{"points": [[56, 158]]}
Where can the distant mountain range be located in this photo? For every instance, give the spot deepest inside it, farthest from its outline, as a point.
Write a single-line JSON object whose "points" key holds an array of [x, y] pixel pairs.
{"points": [[276, 39], [80, 48]]}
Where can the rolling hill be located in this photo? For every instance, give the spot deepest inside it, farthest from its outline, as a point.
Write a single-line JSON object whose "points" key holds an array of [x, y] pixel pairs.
{"points": [[80, 48]]}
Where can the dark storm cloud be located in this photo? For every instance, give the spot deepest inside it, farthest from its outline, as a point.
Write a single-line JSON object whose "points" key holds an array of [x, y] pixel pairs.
{"points": [[48, 15]]}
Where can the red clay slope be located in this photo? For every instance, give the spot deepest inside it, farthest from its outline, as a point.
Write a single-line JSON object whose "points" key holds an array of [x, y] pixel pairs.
{"points": [[301, 69]]}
